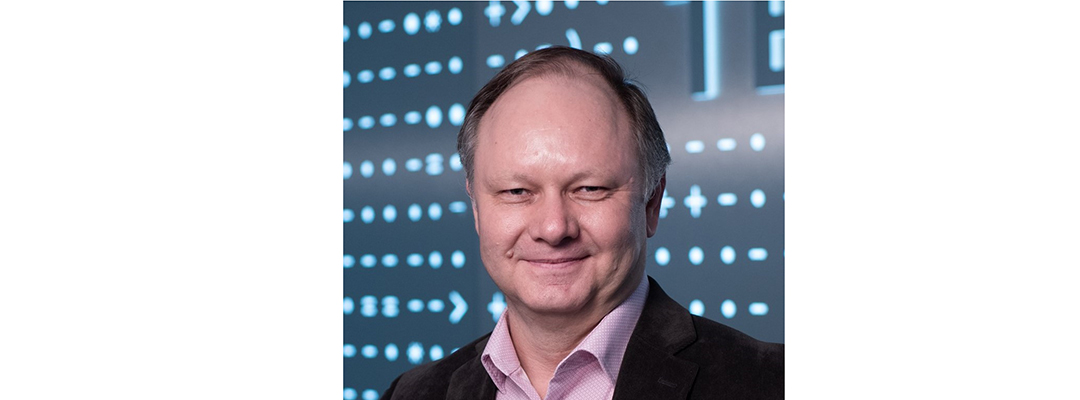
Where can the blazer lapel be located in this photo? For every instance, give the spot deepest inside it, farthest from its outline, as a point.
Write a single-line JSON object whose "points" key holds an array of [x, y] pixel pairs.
{"points": [[471, 381], [649, 368]]}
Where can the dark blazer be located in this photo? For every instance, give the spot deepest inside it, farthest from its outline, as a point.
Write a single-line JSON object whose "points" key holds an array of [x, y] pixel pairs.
{"points": [[672, 354]]}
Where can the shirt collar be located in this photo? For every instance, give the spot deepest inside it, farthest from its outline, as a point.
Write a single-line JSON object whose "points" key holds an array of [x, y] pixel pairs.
{"points": [[606, 342]]}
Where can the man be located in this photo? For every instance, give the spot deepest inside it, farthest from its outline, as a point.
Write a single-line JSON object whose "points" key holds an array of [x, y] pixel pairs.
{"points": [[565, 164]]}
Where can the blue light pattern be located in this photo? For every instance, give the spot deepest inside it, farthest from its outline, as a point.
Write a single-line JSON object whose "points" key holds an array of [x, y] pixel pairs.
{"points": [[663, 256], [758, 309], [697, 307], [727, 309]]}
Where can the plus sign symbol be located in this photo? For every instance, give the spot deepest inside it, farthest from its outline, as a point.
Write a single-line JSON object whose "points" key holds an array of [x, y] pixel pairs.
{"points": [[695, 201], [494, 11]]}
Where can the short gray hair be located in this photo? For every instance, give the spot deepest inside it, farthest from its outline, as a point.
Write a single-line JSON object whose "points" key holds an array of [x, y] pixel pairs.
{"points": [[652, 149]]}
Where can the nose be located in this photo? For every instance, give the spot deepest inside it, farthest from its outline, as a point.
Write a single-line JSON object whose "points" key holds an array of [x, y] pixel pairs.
{"points": [[554, 222]]}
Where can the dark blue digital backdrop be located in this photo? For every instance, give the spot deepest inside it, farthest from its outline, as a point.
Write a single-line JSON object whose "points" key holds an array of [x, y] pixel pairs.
{"points": [[414, 286]]}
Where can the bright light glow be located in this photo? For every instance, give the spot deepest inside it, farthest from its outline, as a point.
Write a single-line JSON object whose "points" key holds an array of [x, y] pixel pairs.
{"points": [[573, 38], [776, 50], [367, 214], [727, 199], [371, 394], [603, 48], [696, 255], [415, 353], [364, 30], [411, 23], [457, 259], [433, 68], [436, 352], [365, 76], [725, 144], [347, 305], [757, 142], [413, 117], [388, 120], [571, 4], [414, 259], [434, 164], [389, 166], [348, 261], [349, 350], [759, 308], [368, 260], [697, 307], [413, 164], [695, 201], [391, 353], [757, 198], [436, 305], [389, 260], [453, 16], [434, 211], [367, 122], [454, 65], [347, 170], [389, 213], [757, 254], [347, 215], [495, 60], [630, 45], [432, 21], [601, 2], [457, 114], [387, 73], [435, 259], [386, 26], [727, 255], [455, 162], [346, 33], [695, 146], [349, 394], [776, 8], [346, 124], [458, 207], [414, 215], [411, 70], [663, 256], [543, 7], [369, 351], [347, 79], [434, 117], [710, 51], [415, 305], [520, 53], [367, 169], [727, 308]]}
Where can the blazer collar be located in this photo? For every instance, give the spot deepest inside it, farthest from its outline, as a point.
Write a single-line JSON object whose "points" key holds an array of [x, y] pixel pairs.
{"points": [[471, 381]]}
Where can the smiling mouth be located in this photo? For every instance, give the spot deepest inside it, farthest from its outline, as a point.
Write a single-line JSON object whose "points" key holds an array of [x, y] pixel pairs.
{"points": [[555, 263]]}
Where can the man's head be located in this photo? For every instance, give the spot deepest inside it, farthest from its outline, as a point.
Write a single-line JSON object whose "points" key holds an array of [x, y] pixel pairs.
{"points": [[565, 166]]}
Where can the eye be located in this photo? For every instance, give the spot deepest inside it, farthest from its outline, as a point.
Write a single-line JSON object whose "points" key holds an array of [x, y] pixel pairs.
{"points": [[589, 189], [592, 192], [515, 192]]}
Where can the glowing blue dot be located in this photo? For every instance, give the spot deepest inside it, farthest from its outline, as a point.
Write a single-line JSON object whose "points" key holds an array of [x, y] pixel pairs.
{"points": [[453, 16], [368, 306], [411, 23], [347, 215], [386, 26], [367, 214], [727, 308], [389, 166], [601, 2], [415, 260], [603, 48], [458, 207], [436, 352], [725, 144], [412, 117], [495, 61], [520, 53], [727, 255], [413, 164], [348, 261], [433, 67], [432, 21], [349, 350], [371, 394], [543, 7], [415, 353], [391, 352], [369, 351], [387, 73], [347, 124], [759, 308], [757, 198], [757, 142], [365, 76], [434, 116], [727, 199], [434, 164], [454, 65], [368, 260], [435, 259], [757, 254], [695, 146], [697, 307], [776, 8], [416, 305], [389, 261], [390, 306], [457, 114], [348, 305], [434, 211], [663, 256], [457, 258], [346, 33], [696, 255], [411, 70], [367, 122], [364, 30], [455, 162], [571, 4], [630, 45], [349, 394], [415, 212], [367, 169], [543, 46], [389, 213], [346, 170], [436, 305], [347, 78], [388, 119]]}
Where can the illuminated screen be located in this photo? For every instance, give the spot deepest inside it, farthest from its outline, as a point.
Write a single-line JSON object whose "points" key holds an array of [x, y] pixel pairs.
{"points": [[414, 286]]}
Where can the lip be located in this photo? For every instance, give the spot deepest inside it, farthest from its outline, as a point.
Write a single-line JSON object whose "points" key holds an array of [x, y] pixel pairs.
{"points": [[555, 263]]}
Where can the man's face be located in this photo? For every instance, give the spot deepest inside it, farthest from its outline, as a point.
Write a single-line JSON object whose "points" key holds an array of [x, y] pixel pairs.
{"points": [[557, 197]]}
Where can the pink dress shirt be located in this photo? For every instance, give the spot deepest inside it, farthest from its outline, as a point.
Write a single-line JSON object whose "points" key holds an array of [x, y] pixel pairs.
{"points": [[588, 372]]}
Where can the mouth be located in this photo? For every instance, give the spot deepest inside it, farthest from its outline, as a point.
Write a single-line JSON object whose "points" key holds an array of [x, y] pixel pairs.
{"points": [[555, 263]]}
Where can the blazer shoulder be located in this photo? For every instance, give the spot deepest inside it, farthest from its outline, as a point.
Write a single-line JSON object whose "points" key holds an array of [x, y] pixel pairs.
{"points": [[432, 380], [754, 368]]}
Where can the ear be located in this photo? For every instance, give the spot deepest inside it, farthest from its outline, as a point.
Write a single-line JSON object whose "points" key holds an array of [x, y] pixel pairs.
{"points": [[472, 199], [652, 207]]}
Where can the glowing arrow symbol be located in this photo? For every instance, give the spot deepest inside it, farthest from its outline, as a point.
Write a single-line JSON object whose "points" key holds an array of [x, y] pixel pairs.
{"points": [[460, 307], [521, 12]]}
